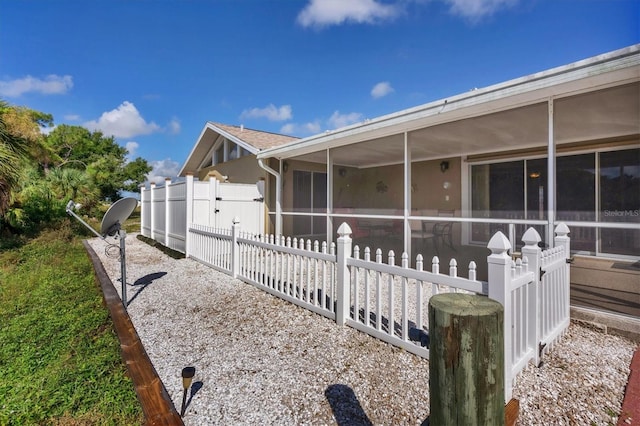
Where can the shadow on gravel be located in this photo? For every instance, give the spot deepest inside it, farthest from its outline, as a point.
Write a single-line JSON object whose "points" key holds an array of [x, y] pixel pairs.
{"points": [[144, 282], [345, 406], [195, 387]]}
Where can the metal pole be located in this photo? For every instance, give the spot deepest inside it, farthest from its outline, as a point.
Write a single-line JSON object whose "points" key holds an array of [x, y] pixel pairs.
{"points": [[123, 267]]}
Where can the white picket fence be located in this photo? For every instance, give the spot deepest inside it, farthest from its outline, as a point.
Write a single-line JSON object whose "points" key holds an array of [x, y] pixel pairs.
{"points": [[390, 301]]}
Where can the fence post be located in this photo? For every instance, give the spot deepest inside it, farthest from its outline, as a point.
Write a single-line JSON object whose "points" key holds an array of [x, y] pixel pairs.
{"points": [[532, 252], [167, 211], [235, 250], [212, 202], [189, 219], [142, 188], [343, 296], [562, 239], [499, 274], [153, 220], [466, 360]]}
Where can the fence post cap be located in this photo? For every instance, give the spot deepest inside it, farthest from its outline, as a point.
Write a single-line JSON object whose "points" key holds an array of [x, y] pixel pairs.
{"points": [[499, 244], [531, 237], [344, 229], [562, 229], [236, 220]]}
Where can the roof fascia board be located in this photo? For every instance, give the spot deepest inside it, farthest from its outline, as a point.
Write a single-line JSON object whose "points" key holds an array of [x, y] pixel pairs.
{"points": [[209, 154], [234, 139], [193, 150], [210, 126], [614, 68]]}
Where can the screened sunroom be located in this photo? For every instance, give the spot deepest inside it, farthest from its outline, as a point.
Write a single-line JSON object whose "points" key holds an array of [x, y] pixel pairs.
{"points": [[558, 146]]}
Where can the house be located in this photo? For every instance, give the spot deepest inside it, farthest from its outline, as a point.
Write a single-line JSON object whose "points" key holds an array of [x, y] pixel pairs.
{"points": [[562, 145]]}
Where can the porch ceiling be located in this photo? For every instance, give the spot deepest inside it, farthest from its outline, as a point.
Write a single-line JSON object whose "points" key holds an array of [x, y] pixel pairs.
{"points": [[600, 115]]}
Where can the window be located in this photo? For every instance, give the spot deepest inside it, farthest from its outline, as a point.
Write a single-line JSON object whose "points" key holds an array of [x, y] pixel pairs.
{"points": [[620, 200], [309, 196], [536, 176], [497, 192], [597, 186], [234, 151], [576, 197], [219, 154]]}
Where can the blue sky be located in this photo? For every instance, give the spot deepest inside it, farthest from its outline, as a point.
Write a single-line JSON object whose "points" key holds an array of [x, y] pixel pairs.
{"points": [[152, 73]]}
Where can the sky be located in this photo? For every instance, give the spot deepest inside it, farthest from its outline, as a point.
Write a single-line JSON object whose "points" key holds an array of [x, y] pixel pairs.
{"points": [[152, 73]]}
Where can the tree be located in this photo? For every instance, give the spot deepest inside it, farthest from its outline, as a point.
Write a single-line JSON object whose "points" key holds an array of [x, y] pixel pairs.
{"points": [[100, 156], [20, 140], [40, 173]]}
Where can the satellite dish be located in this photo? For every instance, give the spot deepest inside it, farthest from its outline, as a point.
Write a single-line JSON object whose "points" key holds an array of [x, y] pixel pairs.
{"points": [[116, 215], [112, 226]]}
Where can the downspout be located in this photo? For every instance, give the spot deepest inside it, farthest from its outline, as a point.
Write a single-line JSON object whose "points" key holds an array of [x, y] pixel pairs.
{"points": [[278, 194]]}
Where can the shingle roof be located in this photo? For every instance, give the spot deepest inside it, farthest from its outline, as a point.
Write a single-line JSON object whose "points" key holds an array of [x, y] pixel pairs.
{"points": [[256, 138], [252, 140]]}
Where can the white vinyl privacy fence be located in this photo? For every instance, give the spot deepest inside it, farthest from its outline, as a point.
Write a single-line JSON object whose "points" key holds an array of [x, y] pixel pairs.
{"points": [[390, 301], [167, 210]]}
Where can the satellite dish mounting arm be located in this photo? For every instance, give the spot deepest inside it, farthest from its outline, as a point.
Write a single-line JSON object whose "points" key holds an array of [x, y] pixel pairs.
{"points": [[70, 206]]}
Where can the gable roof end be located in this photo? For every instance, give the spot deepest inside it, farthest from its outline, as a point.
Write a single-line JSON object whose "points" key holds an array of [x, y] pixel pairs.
{"points": [[249, 139]]}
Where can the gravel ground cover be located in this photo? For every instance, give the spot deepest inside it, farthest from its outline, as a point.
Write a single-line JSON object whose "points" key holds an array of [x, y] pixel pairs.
{"points": [[261, 360]]}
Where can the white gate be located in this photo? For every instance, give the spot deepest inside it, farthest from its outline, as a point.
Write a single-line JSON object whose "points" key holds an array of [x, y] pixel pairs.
{"points": [[168, 210], [239, 201]]}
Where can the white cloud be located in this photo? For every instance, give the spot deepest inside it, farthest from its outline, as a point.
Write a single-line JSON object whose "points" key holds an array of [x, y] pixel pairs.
{"points": [[270, 112], [476, 9], [47, 130], [50, 85], [381, 89], [174, 126], [321, 13], [132, 147], [338, 120], [309, 128], [72, 117], [122, 122], [163, 169]]}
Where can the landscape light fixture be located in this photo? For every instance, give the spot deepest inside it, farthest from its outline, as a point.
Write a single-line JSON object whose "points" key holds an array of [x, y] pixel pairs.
{"points": [[111, 226], [187, 377]]}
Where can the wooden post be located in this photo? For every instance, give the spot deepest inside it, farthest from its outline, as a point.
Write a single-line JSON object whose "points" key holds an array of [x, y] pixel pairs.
{"points": [[466, 360]]}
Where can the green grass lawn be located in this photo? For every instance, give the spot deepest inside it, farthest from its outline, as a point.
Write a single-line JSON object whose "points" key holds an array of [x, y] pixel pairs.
{"points": [[60, 359]]}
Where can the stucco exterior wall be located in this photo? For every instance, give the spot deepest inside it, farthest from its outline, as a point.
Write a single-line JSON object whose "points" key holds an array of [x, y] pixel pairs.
{"points": [[242, 170]]}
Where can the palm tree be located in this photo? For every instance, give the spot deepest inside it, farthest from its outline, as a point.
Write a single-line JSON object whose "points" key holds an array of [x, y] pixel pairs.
{"points": [[13, 150], [72, 184]]}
